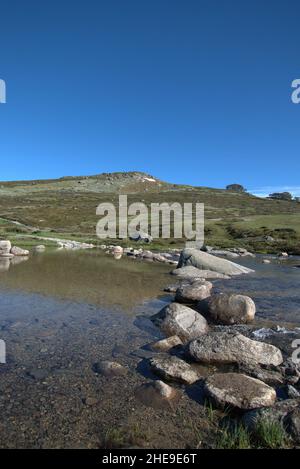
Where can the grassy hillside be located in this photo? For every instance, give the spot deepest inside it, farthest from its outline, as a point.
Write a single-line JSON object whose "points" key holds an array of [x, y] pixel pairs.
{"points": [[67, 207]]}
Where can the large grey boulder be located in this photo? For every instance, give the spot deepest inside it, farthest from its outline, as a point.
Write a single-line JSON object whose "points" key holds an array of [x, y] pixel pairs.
{"points": [[172, 368], [229, 309], [192, 273], [197, 291], [232, 347], [176, 319], [239, 391], [205, 261]]}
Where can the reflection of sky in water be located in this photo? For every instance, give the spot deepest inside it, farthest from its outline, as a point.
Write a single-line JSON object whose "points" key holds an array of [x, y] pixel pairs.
{"points": [[275, 288]]}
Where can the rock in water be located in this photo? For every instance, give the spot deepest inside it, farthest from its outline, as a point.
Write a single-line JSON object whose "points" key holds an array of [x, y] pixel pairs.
{"points": [[176, 319], [232, 347], [205, 261], [239, 391], [16, 251], [5, 247], [231, 309], [166, 344], [192, 273], [40, 248], [107, 368], [197, 291], [173, 369]]}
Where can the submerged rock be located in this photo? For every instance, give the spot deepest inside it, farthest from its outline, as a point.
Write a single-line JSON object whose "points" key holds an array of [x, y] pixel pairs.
{"points": [[108, 368], [157, 394], [190, 272], [205, 261], [194, 292], [229, 309], [239, 391], [173, 369], [176, 319], [232, 347], [166, 344]]}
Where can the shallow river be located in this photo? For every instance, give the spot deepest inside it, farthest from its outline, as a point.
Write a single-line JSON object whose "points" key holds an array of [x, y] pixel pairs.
{"points": [[62, 312]]}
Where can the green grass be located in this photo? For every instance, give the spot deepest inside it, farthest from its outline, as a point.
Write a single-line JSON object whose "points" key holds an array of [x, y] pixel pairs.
{"points": [[234, 437], [67, 208], [271, 434], [268, 434]]}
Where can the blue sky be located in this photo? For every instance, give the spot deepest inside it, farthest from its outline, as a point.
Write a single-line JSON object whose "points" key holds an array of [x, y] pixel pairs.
{"points": [[191, 91]]}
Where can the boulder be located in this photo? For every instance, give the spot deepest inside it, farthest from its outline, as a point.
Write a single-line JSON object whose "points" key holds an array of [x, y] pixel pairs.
{"points": [[16, 251], [292, 423], [239, 391], [117, 250], [141, 236], [192, 273], [197, 291], [40, 248], [229, 309], [157, 394], [173, 369], [270, 377], [278, 414], [176, 319], [205, 261], [231, 347], [164, 390], [5, 247], [165, 345], [108, 368]]}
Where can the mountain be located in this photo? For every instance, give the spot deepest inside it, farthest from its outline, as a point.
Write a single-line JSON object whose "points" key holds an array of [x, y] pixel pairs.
{"points": [[68, 206]]}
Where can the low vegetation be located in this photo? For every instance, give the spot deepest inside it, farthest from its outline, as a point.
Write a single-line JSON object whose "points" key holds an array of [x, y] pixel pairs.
{"points": [[67, 208]]}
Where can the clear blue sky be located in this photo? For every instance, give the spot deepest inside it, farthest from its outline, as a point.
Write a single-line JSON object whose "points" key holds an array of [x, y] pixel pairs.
{"points": [[191, 91]]}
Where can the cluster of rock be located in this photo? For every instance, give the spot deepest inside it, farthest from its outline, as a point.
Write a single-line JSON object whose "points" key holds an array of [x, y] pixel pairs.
{"points": [[118, 252], [202, 327]]}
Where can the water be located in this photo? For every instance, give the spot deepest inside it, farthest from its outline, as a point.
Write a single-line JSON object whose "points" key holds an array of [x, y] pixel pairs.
{"points": [[62, 312], [274, 287]]}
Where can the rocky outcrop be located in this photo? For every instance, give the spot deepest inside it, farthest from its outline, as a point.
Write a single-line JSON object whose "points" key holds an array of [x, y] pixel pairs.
{"points": [[205, 261], [176, 319], [239, 391], [192, 273], [232, 347], [194, 292], [173, 369], [141, 236], [231, 308]]}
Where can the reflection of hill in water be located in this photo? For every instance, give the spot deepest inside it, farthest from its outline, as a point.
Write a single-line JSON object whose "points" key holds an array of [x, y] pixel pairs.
{"points": [[86, 276]]}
